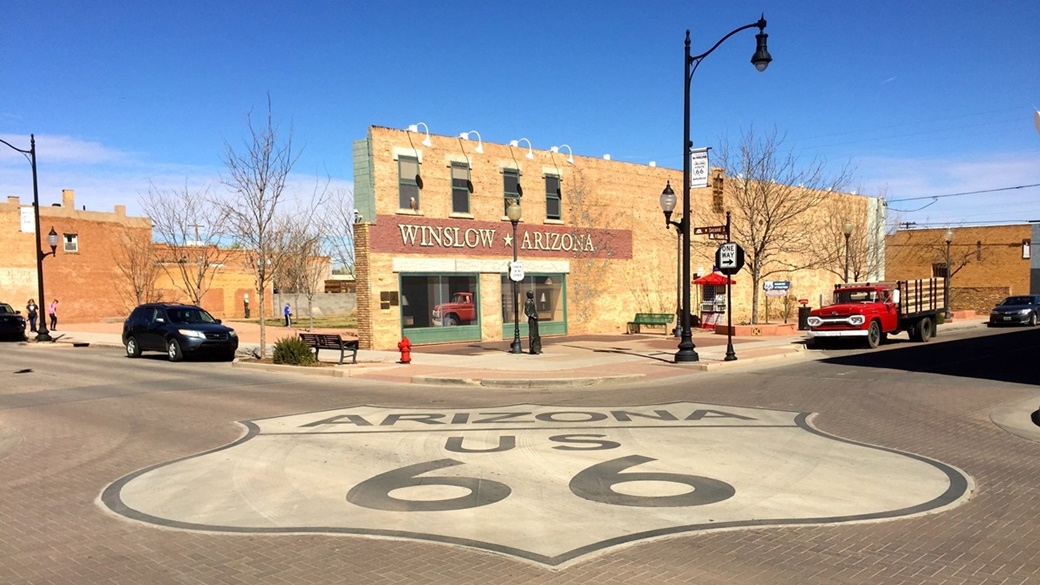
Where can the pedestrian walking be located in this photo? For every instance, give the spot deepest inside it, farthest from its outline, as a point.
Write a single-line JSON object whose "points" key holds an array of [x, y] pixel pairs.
{"points": [[53, 312], [288, 315], [32, 312]]}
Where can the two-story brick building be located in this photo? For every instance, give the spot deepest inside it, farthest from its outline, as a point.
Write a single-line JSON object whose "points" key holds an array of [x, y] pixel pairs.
{"points": [[85, 272], [592, 239], [987, 263]]}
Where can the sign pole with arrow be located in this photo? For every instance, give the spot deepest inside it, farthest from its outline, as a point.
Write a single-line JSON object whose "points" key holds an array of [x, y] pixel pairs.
{"points": [[730, 259]]}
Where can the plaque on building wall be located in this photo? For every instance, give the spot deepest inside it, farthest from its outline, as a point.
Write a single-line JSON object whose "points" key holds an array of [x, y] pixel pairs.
{"points": [[28, 221]]}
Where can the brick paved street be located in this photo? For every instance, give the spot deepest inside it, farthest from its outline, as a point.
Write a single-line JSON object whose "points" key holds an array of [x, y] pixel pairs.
{"points": [[72, 421]]}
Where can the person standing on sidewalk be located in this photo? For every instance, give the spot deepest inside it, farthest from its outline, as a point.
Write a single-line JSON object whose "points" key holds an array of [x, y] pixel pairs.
{"points": [[53, 312], [32, 312], [534, 340], [288, 315]]}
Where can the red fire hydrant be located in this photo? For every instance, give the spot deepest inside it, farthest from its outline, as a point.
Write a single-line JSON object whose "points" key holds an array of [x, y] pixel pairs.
{"points": [[406, 350]]}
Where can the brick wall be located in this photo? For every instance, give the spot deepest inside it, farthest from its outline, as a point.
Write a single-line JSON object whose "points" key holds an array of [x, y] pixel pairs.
{"points": [[983, 261], [604, 291]]}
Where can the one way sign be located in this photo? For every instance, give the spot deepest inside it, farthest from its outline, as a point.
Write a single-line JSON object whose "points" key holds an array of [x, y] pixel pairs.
{"points": [[729, 258]]}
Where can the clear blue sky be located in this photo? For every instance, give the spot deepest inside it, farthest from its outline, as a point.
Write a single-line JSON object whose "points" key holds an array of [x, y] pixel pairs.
{"points": [[923, 97]]}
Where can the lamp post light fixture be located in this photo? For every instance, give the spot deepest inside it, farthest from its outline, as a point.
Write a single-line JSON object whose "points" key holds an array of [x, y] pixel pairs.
{"points": [[513, 212], [946, 281], [42, 334], [668, 206], [847, 228], [760, 60]]}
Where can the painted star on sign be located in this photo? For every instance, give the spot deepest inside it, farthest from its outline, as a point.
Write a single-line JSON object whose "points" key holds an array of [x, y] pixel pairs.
{"points": [[509, 241]]}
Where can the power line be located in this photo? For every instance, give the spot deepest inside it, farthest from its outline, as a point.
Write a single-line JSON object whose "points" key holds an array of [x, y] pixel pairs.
{"points": [[933, 197]]}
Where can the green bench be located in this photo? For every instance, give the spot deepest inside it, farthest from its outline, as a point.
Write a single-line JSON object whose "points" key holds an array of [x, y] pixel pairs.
{"points": [[650, 319]]}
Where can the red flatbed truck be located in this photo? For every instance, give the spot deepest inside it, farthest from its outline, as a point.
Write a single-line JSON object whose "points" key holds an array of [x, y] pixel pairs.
{"points": [[872, 311]]}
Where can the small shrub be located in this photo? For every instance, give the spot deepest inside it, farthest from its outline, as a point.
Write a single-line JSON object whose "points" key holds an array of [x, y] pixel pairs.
{"points": [[293, 351]]}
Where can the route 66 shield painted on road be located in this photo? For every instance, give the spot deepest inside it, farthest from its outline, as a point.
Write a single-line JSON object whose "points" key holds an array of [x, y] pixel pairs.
{"points": [[547, 484]]}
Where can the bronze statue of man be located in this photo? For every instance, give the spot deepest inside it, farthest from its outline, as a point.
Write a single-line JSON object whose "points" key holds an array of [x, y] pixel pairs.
{"points": [[534, 341]]}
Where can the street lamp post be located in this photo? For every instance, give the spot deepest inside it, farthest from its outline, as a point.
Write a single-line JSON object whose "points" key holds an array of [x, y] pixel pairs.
{"points": [[848, 232], [760, 60], [668, 206], [513, 212], [52, 238], [946, 281]]}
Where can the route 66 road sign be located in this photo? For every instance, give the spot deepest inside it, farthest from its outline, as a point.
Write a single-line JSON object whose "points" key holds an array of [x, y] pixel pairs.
{"points": [[547, 484]]}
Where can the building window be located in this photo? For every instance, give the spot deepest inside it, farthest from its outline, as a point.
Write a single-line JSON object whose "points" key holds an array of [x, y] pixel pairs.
{"points": [[460, 187], [71, 243], [408, 182], [447, 300], [548, 298], [939, 270], [1026, 244], [510, 187], [552, 197]]}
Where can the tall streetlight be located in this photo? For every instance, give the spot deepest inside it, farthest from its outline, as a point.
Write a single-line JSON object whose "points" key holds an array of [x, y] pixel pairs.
{"points": [[946, 281], [847, 228], [760, 60], [52, 238], [513, 212], [668, 205]]}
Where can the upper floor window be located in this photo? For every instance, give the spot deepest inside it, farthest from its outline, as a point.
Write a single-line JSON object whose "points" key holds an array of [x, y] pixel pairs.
{"points": [[510, 187], [71, 243], [939, 270], [552, 197], [460, 187], [408, 182]]}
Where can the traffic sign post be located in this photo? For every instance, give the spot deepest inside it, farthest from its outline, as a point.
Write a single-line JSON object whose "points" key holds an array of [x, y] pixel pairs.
{"points": [[730, 259]]}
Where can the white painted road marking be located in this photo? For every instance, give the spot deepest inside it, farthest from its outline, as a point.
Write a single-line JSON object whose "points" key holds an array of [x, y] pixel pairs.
{"points": [[548, 484]]}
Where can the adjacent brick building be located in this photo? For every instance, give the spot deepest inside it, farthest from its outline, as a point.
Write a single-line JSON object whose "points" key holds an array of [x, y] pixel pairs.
{"points": [[84, 274], [987, 263], [592, 239]]}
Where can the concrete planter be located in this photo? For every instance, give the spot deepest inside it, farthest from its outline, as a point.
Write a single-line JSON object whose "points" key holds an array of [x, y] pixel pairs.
{"points": [[770, 330]]}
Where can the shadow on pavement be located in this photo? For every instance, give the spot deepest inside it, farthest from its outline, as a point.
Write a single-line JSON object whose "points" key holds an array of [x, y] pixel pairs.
{"points": [[1010, 357]]}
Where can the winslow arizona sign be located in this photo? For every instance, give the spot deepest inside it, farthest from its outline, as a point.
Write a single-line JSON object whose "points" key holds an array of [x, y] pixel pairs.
{"points": [[420, 235], [546, 484]]}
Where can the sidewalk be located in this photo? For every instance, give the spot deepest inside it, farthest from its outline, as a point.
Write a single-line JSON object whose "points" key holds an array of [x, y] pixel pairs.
{"points": [[566, 361]]}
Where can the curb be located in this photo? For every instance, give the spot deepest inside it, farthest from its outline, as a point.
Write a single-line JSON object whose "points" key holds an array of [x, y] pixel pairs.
{"points": [[506, 383]]}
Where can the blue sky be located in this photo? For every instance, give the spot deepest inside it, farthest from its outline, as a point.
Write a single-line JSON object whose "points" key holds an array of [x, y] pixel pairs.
{"points": [[924, 98]]}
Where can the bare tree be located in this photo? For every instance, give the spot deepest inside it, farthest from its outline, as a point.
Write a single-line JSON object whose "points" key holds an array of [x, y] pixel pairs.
{"points": [[257, 177], [338, 237], [304, 268], [137, 262], [192, 229], [773, 200]]}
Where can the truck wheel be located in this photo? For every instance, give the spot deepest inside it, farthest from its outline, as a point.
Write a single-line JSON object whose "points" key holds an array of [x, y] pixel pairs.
{"points": [[874, 335], [925, 329], [453, 321]]}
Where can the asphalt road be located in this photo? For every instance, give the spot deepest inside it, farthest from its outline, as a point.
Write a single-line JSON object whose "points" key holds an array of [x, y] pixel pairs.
{"points": [[103, 459]]}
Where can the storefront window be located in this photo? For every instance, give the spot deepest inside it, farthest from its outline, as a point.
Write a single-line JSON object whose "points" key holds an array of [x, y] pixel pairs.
{"points": [[439, 301], [548, 297]]}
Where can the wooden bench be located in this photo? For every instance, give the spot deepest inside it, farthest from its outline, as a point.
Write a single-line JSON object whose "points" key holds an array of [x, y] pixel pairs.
{"points": [[320, 341], [650, 319]]}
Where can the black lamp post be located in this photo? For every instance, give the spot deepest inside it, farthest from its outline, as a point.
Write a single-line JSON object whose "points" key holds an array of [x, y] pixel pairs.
{"points": [[52, 238], [848, 232], [760, 60], [946, 281], [668, 205], [513, 212]]}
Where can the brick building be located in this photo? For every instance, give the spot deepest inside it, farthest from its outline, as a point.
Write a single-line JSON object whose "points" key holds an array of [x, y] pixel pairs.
{"points": [[85, 272], [592, 239], [987, 263]]}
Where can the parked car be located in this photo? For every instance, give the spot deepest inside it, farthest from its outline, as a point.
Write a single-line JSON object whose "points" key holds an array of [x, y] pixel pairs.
{"points": [[12, 324], [1016, 310], [177, 330]]}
